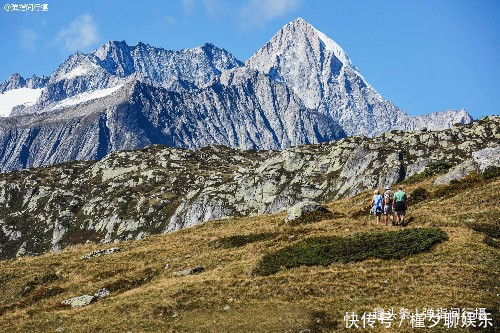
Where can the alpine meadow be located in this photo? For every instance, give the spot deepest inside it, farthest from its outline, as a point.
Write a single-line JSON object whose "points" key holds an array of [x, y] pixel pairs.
{"points": [[144, 189]]}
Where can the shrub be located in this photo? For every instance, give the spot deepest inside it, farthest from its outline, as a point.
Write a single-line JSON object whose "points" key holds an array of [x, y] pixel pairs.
{"points": [[489, 226], [493, 242], [491, 172], [434, 168], [326, 250], [419, 194], [242, 240], [489, 229]]}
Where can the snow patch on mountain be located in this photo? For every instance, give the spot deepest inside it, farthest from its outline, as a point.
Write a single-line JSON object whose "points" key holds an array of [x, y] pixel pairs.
{"points": [[331, 46], [77, 71], [85, 97], [15, 97]]}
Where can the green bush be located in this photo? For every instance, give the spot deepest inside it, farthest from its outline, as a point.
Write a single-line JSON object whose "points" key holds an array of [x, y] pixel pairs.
{"points": [[242, 240], [419, 194], [491, 172], [326, 250], [489, 229], [438, 167], [493, 242]]}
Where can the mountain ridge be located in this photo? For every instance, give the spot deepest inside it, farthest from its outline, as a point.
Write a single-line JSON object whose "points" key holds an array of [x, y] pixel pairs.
{"points": [[311, 71]]}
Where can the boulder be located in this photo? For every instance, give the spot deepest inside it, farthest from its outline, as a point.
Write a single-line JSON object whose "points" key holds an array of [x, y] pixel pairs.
{"points": [[103, 292], [487, 157], [79, 301], [304, 208], [190, 271], [98, 253], [457, 172]]}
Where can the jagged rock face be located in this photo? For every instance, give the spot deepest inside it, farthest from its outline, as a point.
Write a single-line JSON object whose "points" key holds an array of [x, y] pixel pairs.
{"points": [[322, 75], [130, 194], [16, 81], [243, 109], [487, 157], [115, 63]]}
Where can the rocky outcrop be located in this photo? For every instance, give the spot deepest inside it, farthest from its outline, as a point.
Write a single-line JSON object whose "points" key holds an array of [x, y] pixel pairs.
{"points": [[98, 253], [80, 301], [457, 172], [102, 292], [487, 157], [131, 194], [189, 271], [304, 208]]}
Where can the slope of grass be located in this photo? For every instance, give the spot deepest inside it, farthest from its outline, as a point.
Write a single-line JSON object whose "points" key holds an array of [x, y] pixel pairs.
{"points": [[461, 272]]}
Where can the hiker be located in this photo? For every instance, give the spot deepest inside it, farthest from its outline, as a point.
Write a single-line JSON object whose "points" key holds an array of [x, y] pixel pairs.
{"points": [[400, 205], [387, 203], [376, 204]]}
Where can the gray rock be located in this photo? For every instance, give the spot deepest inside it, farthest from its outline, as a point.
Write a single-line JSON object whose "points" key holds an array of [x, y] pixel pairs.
{"points": [[190, 271], [80, 301], [487, 157], [102, 292], [98, 253], [457, 172], [300, 209], [21, 252]]}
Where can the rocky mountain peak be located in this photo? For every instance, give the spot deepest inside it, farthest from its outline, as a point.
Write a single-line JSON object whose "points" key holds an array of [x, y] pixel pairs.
{"points": [[319, 71], [299, 28], [110, 48], [16, 81]]}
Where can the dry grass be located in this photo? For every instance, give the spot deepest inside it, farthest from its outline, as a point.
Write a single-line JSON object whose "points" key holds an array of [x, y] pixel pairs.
{"points": [[460, 272]]}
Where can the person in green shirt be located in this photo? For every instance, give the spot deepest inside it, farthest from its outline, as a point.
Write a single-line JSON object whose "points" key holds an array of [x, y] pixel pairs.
{"points": [[400, 205]]}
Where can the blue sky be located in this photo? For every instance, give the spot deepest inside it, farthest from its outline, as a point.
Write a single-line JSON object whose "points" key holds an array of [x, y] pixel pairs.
{"points": [[423, 55]]}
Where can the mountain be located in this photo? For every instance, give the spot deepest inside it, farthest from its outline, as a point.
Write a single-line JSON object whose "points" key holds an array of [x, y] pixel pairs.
{"points": [[243, 108], [115, 63], [16, 81], [321, 73], [130, 194], [19, 93], [299, 88]]}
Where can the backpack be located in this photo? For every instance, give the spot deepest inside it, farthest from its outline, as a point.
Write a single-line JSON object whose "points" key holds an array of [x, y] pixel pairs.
{"points": [[388, 197]]}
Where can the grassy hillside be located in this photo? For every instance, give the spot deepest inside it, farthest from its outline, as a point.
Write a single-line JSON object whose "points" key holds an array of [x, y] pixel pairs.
{"points": [[460, 271]]}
